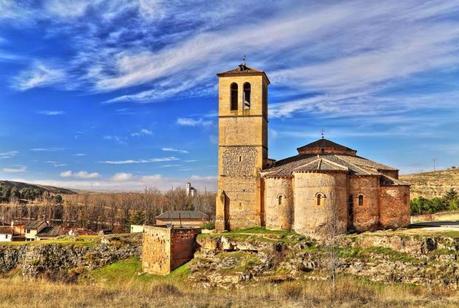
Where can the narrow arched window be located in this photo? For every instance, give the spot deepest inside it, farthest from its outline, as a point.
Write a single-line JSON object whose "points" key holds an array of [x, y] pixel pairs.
{"points": [[360, 199], [279, 200], [247, 94], [234, 93], [320, 198]]}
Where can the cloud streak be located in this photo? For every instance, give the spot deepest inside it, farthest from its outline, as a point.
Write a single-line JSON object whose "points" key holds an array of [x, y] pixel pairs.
{"points": [[15, 169], [51, 112], [193, 122], [79, 174], [40, 75], [140, 161]]}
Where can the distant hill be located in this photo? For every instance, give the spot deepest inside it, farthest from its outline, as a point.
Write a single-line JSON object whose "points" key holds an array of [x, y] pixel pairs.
{"points": [[30, 189], [432, 184]]}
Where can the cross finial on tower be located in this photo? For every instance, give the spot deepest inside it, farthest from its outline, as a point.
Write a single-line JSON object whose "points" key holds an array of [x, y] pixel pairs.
{"points": [[244, 60], [323, 134]]}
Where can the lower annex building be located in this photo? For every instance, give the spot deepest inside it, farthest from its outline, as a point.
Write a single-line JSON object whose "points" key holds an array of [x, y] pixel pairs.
{"points": [[325, 183]]}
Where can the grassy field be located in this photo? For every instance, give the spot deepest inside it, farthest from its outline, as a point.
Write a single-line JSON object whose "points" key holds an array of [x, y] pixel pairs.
{"points": [[121, 285], [441, 216]]}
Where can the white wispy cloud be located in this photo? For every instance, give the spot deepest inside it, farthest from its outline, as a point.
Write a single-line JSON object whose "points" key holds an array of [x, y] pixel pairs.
{"points": [[139, 161], [79, 174], [51, 149], [79, 154], [193, 122], [122, 177], [56, 163], [174, 150], [51, 112], [67, 8], [15, 169], [142, 132], [117, 139], [40, 75], [9, 154]]}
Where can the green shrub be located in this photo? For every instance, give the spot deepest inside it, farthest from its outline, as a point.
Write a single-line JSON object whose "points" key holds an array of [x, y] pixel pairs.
{"points": [[448, 202], [208, 226]]}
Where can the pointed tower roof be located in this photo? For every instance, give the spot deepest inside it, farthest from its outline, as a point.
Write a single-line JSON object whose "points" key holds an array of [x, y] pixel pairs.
{"points": [[325, 146], [243, 70]]}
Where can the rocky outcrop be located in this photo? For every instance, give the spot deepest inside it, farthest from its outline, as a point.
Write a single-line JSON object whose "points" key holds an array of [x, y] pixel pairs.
{"points": [[225, 261], [66, 260]]}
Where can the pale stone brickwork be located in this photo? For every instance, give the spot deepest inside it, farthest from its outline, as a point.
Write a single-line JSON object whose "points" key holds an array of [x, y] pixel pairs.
{"points": [[156, 253], [355, 193], [278, 203], [242, 151], [164, 249], [311, 216]]}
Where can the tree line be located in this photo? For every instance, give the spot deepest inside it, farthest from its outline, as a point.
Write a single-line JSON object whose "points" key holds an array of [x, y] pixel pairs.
{"points": [[114, 211], [448, 202]]}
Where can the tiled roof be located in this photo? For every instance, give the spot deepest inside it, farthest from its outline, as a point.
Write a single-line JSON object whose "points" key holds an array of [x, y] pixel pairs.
{"points": [[51, 231], [327, 147], [183, 215], [6, 230], [35, 224], [354, 165]]}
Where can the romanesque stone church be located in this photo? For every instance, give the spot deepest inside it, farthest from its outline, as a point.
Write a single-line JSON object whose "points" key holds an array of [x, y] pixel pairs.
{"points": [[325, 183]]}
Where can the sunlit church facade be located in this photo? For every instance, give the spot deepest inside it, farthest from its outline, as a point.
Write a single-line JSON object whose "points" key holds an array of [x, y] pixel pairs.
{"points": [[324, 184]]}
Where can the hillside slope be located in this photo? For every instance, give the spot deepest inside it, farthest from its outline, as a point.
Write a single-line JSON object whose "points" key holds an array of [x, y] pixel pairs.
{"points": [[8, 185], [432, 184]]}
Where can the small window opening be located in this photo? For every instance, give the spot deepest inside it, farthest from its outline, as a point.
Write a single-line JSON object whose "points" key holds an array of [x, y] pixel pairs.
{"points": [[234, 93], [279, 200], [240, 158], [247, 93], [360, 199], [320, 198]]}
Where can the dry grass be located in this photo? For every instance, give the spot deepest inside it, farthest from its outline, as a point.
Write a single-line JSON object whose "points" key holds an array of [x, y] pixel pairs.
{"points": [[440, 216], [349, 293]]}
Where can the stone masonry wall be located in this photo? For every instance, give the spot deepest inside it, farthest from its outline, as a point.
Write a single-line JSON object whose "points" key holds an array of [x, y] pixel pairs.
{"points": [[394, 206], [183, 246], [165, 249], [278, 216], [312, 218], [156, 252], [242, 154], [365, 216]]}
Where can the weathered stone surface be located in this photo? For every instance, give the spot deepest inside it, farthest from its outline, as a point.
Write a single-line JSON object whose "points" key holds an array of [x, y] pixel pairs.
{"points": [[242, 152], [66, 261], [165, 249], [278, 203], [229, 262]]}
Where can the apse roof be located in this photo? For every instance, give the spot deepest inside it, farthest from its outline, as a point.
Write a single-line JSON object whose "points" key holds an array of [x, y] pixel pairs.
{"points": [[325, 146], [352, 164]]}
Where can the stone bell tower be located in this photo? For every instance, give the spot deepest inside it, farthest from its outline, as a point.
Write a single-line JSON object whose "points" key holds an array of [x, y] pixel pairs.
{"points": [[242, 147]]}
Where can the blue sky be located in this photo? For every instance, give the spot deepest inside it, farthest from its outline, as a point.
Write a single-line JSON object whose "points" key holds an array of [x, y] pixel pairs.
{"points": [[121, 95]]}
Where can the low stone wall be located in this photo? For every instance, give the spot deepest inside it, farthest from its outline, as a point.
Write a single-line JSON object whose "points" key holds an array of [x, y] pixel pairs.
{"points": [[67, 260], [165, 249]]}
